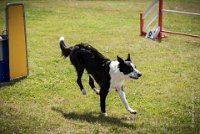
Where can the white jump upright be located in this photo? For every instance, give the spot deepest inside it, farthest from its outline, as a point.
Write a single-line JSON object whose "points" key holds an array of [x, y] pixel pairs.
{"points": [[157, 31]]}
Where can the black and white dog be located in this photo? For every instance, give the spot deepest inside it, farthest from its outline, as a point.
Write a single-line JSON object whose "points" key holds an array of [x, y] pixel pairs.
{"points": [[108, 74]]}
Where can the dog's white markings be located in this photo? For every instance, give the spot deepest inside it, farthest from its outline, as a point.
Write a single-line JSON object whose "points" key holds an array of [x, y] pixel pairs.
{"points": [[84, 91], [124, 101], [136, 73], [96, 90], [91, 76], [61, 39], [117, 77], [104, 114]]}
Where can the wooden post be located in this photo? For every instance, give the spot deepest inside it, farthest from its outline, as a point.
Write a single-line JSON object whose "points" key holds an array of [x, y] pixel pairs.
{"points": [[141, 24], [160, 18]]}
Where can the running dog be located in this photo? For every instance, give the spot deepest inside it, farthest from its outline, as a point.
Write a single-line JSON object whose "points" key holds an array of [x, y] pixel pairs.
{"points": [[108, 74]]}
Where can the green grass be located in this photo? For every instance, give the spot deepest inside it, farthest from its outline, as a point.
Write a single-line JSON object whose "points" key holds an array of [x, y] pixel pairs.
{"points": [[167, 96]]}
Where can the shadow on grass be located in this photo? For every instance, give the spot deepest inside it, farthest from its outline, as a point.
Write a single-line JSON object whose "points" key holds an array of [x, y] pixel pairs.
{"points": [[92, 117], [12, 82]]}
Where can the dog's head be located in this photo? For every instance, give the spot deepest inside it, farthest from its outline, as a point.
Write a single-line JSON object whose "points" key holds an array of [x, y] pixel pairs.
{"points": [[128, 68]]}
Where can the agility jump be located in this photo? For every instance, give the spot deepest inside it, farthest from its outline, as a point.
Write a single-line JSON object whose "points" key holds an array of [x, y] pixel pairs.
{"points": [[157, 31]]}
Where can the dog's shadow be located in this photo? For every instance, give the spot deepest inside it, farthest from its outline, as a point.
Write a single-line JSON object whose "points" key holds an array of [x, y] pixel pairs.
{"points": [[92, 117]]}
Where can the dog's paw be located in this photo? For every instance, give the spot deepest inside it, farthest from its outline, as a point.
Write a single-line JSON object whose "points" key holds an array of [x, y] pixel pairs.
{"points": [[132, 111], [84, 91], [104, 114]]}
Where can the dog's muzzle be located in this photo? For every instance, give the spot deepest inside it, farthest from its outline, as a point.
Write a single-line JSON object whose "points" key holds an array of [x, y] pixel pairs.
{"points": [[135, 75]]}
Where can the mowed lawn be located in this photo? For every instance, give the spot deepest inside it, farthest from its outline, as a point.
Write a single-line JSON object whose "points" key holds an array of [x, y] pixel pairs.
{"points": [[167, 97]]}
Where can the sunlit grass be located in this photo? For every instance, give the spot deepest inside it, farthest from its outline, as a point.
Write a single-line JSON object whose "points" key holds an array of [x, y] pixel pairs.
{"points": [[49, 101]]}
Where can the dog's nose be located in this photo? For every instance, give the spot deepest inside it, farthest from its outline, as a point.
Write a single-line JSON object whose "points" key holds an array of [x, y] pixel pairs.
{"points": [[139, 74]]}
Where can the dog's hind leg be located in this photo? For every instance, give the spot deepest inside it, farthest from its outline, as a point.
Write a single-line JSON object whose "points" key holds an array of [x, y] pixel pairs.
{"points": [[79, 82], [91, 83]]}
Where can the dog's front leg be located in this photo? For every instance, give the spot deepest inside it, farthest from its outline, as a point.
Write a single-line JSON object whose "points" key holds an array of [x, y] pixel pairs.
{"points": [[124, 101], [103, 94]]}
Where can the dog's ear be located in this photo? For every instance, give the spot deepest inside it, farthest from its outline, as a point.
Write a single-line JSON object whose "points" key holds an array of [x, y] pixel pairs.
{"points": [[128, 58], [120, 59]]}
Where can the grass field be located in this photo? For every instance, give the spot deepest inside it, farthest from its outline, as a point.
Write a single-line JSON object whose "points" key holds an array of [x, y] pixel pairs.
{"points": [[167, 97]]}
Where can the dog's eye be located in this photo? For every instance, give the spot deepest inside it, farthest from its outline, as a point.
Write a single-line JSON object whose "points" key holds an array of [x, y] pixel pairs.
{"points": [[135, 67]]}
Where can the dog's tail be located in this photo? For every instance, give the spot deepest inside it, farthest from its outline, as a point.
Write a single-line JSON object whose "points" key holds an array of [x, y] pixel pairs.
{"points": [[65, 50]]}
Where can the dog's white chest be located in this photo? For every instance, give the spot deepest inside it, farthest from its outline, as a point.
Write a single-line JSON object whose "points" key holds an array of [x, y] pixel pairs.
{"points": [[117, 77]]}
